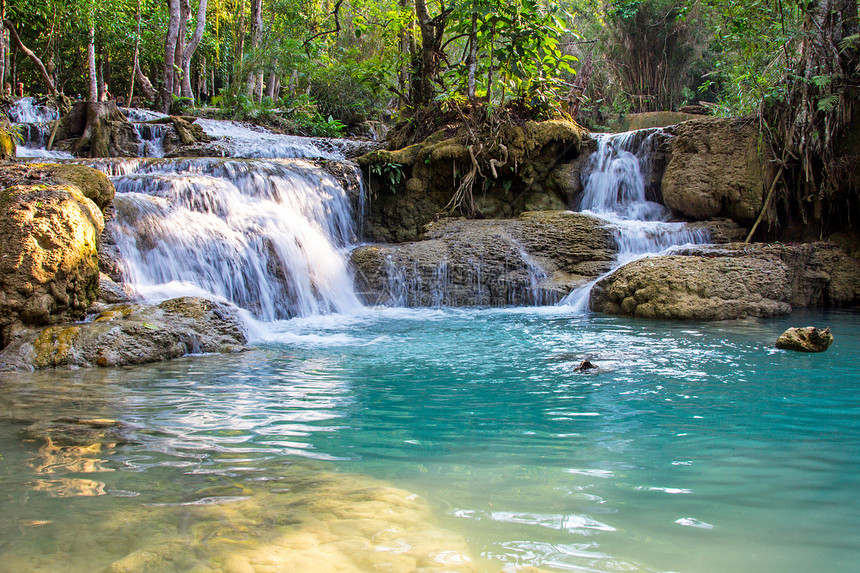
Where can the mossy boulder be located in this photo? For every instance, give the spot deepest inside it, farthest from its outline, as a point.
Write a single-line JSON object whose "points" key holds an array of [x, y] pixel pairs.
{"points": [[130, 334], [412, 186], [50, 233], [805, 339]]}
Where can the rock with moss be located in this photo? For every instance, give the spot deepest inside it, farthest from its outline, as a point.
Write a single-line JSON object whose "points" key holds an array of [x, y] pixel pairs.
{"points": [[715, 170], [535, 259], [130, 334], [730, 281], [805, 339], [96, 129], [501, 178], [50, 232]]}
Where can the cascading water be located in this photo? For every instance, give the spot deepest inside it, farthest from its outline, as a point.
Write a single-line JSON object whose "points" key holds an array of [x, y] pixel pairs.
{"points": [[26, 110], [266, 235], [615, 191], [32, 121]]}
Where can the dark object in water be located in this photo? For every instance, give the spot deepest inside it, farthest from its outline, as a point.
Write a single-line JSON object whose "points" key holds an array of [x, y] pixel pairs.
{"points": [[584, 366]]}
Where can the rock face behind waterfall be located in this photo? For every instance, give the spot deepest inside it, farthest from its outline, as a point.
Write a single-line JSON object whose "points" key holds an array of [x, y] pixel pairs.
{"points": [[130, 334], [730, 281], [49, 232], [534, 259], [715, 170]]}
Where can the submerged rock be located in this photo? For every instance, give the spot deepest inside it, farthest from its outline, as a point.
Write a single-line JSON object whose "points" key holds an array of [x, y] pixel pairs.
{"points": [[535, 259], [730, 281], [50, 227], [806, 339], [301, 517], [130, 334]]}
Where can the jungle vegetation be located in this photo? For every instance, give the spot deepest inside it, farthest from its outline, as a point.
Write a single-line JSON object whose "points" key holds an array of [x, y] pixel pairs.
{"points": [[317, 66]]}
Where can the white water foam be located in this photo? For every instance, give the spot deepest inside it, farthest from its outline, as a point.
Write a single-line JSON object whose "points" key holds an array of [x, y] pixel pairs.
{"points": [[615, 192], [269, 236]]}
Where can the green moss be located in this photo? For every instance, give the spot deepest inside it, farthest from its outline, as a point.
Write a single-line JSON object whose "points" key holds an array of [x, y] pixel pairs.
{"points": [[53, 345], [92, 183]]}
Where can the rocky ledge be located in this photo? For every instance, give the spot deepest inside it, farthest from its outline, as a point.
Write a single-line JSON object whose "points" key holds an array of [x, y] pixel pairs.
{"points": [[731, 281], [534, 259], [129, 334]]}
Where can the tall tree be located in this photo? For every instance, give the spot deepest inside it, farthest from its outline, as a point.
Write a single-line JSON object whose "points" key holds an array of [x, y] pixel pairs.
{"points": [[170, 41], [188, 53]]}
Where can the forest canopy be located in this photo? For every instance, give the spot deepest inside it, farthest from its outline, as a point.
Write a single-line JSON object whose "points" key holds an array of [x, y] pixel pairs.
{"points": [[340, 62]]}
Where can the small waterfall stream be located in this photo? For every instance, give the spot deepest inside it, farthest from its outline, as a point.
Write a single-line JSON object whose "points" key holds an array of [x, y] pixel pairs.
{"points": [[615, 192], [268, 236]]}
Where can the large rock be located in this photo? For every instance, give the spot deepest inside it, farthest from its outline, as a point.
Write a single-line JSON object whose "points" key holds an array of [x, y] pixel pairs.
{"points": [[806, 339], [730, 281], [49, 234], [96, 129], [715, 170], [409, 187], [130, 334], [535, 259]]}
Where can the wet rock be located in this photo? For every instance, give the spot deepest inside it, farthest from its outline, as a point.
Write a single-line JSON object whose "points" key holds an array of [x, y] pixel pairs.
{"points": [[730, 281], [695, 288], [806, 339], [130, 334], [585, 366], [50, 232], [8, 146], [111, 292], [535, 259], [715, 170]]}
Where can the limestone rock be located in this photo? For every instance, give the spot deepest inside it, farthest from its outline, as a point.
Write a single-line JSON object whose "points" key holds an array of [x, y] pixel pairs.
{"points": [[806, 339], [410, 187], [715, 170], [729, 281], [130, 334], [534, 259], [49, 262], [695, 288]]}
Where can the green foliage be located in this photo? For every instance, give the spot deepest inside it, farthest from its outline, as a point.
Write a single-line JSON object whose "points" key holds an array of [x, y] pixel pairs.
{"points": [[391, 174]]}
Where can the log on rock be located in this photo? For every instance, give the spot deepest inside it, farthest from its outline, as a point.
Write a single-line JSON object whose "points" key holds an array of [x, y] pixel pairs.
{"points": [[98, 129]]}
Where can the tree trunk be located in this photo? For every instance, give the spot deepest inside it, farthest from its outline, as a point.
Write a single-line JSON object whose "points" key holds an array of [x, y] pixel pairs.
{"points": [[191, 48], [472, 59], [431, 41], [2, 48], [256, 30], [135, 61], [46, 77], [93, 95], [184, 13], [145, 85], [270, 87], [169, 55]]}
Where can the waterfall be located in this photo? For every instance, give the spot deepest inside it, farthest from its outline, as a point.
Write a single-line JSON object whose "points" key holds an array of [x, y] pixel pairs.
{"points": [[270, 236], [615, 191], [33, 123], [26, 110]]}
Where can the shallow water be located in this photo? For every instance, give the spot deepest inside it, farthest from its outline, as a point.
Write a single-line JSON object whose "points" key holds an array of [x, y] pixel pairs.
{"points": [[694, 448]]}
